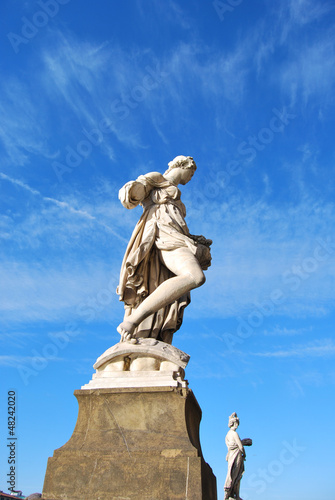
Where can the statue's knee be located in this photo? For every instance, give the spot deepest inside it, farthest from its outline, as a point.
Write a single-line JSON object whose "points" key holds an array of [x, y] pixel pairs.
{"points": [[199, 279]]}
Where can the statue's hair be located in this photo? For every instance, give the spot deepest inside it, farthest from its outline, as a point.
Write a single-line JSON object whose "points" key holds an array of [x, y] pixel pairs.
{"points": [[232, 419], [180, 161]]}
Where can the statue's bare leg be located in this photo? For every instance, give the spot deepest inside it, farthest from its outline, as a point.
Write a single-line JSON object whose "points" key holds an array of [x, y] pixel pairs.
{"points": [[188, 275]]}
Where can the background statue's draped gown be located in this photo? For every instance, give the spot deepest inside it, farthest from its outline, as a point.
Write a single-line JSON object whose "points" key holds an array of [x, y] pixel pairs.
{"points": [[235, 466], [161, 227]]}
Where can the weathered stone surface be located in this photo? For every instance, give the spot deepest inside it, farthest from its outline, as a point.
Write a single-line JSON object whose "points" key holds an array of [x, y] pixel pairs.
{"points": [[132, 444], [151, 347]]}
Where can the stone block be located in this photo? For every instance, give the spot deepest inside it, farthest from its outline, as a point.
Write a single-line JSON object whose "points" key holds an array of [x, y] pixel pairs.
{"points": [[132, 444]]}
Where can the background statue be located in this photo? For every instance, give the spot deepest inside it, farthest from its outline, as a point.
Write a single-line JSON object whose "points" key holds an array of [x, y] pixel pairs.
{"points": [[163, 261], [235, 458]]}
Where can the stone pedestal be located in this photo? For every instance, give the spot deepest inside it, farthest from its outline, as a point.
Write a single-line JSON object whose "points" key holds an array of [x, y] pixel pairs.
{"points": [[133, 443]]}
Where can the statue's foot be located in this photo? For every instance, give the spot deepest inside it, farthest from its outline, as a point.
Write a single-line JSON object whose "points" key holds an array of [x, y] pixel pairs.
{"points": [[126, 330]]}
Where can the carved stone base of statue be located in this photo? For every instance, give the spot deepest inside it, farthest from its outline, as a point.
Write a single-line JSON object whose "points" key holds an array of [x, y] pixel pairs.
{"points": [[137, 433]]}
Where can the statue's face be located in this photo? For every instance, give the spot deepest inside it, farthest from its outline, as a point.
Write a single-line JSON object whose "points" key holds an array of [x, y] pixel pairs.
{"points": [[190, 163], [186, 174]]}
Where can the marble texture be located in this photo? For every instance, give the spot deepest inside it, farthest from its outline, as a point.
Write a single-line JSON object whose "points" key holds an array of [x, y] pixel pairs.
{"points": [[144, 346], [146, 363]]}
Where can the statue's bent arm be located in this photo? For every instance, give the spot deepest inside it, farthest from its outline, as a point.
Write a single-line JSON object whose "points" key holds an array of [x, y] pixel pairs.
{"points": [[133, 192]]}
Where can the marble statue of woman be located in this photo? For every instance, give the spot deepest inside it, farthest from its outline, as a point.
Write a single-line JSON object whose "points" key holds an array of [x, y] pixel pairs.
{"points": [[163, 261], [235, 458]]}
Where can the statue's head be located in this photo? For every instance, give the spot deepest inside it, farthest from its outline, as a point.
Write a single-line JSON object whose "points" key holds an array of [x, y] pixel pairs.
{"points": [[182, 162], [185, 163], [234, 421]]}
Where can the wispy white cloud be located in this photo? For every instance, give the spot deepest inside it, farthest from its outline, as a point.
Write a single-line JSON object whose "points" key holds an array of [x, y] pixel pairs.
{"points": [[278, 331], [82, 79], [258, 248], [89, 78], [63, 205], [307, 11], [304, 380], [19, 339], [176, 14], [171, 12], [219, 73], [20, 183], [75, 69], [214, 78], [222, 79], [22, 129], [15, 361], [310, 71], [85, 78], [300, 383], [59, 254], [320, 349], [288, 19], [31, 292]]}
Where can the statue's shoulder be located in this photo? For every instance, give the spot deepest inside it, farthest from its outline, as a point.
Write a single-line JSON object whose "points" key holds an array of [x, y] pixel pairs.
{"points": [[155, 177]]}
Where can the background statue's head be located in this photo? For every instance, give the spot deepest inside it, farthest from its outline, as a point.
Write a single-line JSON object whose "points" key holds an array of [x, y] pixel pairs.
{"points": [[234, 421], [183, 167]]}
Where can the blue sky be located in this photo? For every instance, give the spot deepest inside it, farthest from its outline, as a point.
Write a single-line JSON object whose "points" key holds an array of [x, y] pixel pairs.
{"points": [[93, 94]]}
